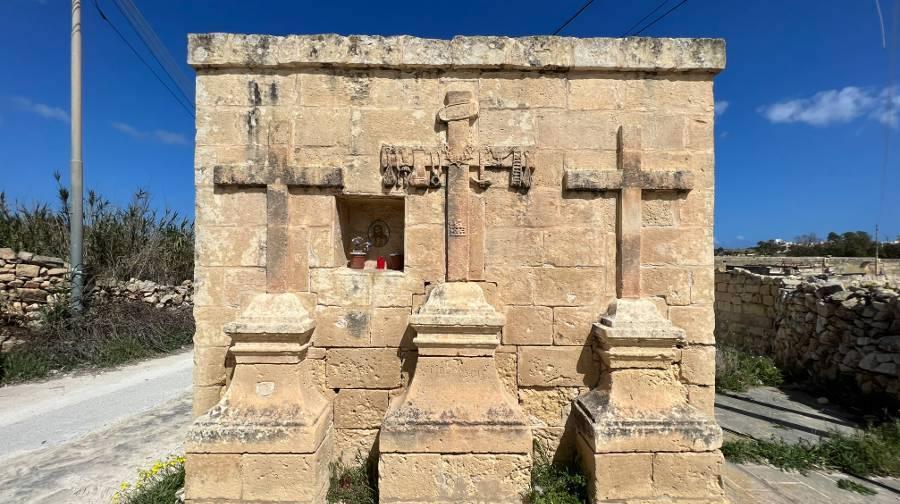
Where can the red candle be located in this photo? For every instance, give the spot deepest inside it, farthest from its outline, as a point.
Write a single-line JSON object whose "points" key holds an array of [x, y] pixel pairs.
{"points": [[381, 263]]}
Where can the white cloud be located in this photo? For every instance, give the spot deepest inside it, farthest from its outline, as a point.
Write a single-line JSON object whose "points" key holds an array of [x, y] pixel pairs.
{"points": [[836, 106], [721, 106], [41, 109], [739, 238], [162, 136]]}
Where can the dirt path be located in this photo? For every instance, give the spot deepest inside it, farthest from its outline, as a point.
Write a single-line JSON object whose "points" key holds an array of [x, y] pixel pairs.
{"points": [[77, 438]]}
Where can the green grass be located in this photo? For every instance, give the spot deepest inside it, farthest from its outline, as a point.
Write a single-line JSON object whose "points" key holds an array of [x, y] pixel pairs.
{"points": [[103, 336], [852, 486], [871, 452], [158, 485], [738, 370], [352, 484], [554, 483]]}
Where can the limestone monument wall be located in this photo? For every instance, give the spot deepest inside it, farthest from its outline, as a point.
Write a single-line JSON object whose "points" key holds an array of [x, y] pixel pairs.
{"points": [[307, 142]]}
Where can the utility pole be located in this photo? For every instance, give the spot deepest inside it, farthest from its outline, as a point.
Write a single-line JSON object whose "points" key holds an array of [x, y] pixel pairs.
{"points": [[876, 251], [76, 215]]}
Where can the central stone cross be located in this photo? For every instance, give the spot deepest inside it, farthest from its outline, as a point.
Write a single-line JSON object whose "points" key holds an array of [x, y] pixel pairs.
{"points": [[404, 166], [631, 181], [277, 180]]}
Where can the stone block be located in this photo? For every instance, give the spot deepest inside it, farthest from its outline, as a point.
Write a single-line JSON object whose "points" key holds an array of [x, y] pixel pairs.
{"points": [[588, 250], [367, 368], [212, 476], [230, 206], [360, 409], [576, 130], [27, 270], [698, 322], [507, 362], [513, 285], [572, 325], [678, 246], [390, 328], [672, 284], [453, 478], [209, 323], [528, 325], [506, 127], [548, 407], [513, 247], [322, 127], [569, 366], [340, 326], [372, 127], [596, 91], [568, 286], [205, 398], [209, 365], [286, 477], [353, 444], [688, 475], [308, 210], [622, 476], [517, 90], [703, 398], [698, 365], [248, 246]]}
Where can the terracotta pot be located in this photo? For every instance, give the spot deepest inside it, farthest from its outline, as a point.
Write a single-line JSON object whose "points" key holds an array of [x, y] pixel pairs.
{"points": [[395, 262], [357, 261]]}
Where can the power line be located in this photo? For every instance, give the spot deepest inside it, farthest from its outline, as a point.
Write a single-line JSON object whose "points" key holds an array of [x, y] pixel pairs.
{"points": [[639, 21], [144, 61], [889, 120], [577, 13], [661, 17], [129, 10]]}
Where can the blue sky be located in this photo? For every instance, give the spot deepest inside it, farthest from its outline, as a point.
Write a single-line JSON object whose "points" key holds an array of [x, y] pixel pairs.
{"points": [[800, 129]]}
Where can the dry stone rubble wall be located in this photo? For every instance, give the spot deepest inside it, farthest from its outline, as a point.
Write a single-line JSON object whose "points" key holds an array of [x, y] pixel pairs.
{"points": [[833, 329], [29, 281]]}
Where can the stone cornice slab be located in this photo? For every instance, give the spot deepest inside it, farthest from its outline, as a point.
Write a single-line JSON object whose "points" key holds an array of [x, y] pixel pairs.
{"points": [[633, 54]]}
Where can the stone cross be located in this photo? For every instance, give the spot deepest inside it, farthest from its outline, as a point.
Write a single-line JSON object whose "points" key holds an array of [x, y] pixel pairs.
{"points": [[404, 166], [277, 180], [631, 181]]}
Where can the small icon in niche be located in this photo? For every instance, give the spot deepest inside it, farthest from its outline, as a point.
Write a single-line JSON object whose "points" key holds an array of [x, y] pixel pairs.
{"points": [[379, 233]]}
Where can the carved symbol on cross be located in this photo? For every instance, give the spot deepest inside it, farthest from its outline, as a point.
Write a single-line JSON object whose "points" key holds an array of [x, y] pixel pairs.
{"points": [[405, 166], [277, 180], [630, 181]]}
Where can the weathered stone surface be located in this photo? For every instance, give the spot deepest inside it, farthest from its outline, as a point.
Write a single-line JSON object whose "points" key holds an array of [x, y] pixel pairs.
{"points": [[631, 54], [528, 325], [452, 478], [569, 366], [363, 368], [360, 409]]}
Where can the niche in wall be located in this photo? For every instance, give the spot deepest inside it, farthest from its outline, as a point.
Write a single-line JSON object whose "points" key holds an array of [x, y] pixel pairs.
{"points": [[377, 220]]}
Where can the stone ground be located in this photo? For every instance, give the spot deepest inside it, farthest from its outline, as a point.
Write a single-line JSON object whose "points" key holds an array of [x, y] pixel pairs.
{"points": [[74, 439], [792, 415]]}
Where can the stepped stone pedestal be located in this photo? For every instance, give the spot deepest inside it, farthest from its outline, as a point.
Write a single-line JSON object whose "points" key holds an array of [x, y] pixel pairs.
{"points": [[269, 438], [638, 438], [456, 435]]}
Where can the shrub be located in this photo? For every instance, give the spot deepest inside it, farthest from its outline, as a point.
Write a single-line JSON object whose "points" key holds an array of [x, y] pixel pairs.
{"points": [[553, 483], [871, 452], [352, 484], [160, 484], [103, 335], [119, 243], [738, 370]]}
